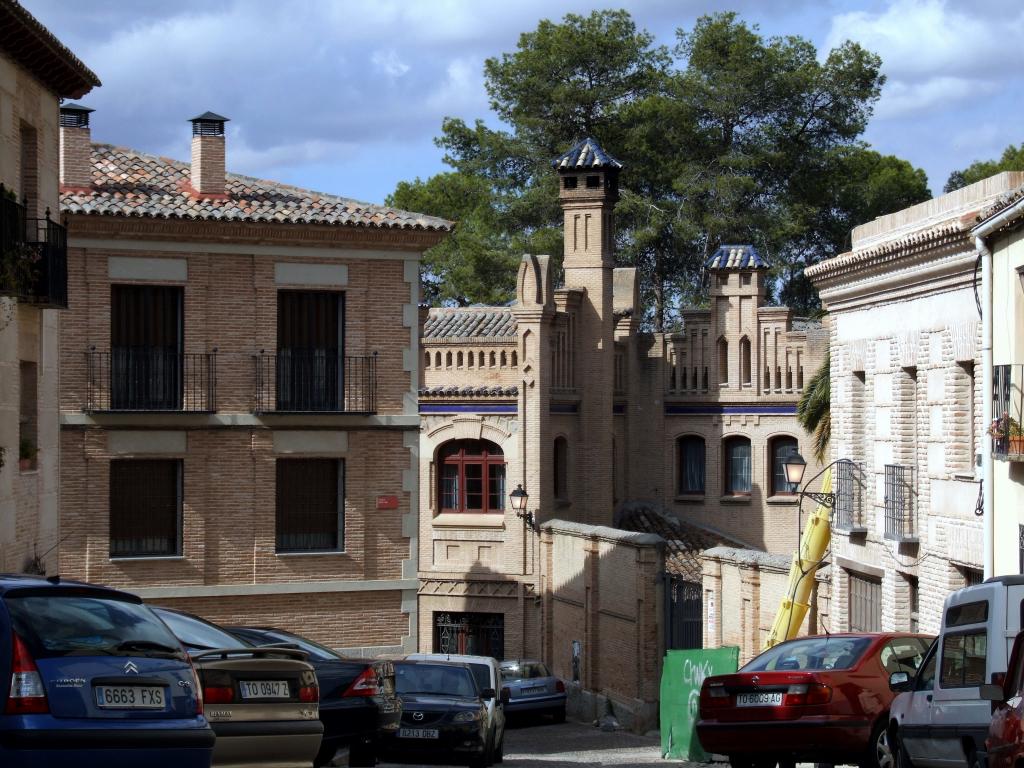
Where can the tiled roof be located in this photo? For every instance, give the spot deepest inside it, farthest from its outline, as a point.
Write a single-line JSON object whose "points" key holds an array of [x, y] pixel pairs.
{"points": [[1000, 205], [452, 390], [736, 257], [583, 155], [38, 50], [469, 322], [130, 183]]}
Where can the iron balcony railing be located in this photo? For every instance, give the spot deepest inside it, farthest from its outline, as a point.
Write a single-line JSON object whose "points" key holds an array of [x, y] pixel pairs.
{"points": [[1006, 429], [50, 280], [849, 490], [142, 379], [315, 381], [900, 524]]}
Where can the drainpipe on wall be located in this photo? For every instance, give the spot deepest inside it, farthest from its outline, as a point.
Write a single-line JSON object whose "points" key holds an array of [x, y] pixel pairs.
{"points": [[980, 232], [986, 401]]}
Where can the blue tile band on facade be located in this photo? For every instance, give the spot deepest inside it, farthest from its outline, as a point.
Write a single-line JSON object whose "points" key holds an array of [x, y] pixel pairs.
{"points": [[564, 408], [719, 410], [468, 408]]}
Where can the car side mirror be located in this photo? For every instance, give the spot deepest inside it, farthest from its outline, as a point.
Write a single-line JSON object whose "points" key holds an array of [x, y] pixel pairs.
{"points": [[487, 694], [506, 695], [899, 682]]}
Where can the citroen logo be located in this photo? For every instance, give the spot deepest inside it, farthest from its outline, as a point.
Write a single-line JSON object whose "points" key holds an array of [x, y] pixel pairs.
{"points": [[130, 668], [417, 716], [755, 680]]}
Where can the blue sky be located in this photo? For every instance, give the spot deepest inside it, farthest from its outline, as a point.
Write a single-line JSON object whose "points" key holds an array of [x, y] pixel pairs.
{"points": [[346, 96]]}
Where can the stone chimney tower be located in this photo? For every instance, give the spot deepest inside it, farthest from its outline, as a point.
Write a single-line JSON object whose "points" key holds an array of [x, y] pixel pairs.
{"points": [[208, 174], [75, 147], [588, 189]]}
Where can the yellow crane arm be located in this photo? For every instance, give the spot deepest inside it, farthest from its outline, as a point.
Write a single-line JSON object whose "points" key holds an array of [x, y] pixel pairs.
{"points": [[813, 546]]}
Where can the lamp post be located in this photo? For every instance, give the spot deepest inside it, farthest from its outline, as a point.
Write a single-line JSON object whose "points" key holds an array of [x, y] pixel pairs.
{"points": [[519, 497], [795, 466]]}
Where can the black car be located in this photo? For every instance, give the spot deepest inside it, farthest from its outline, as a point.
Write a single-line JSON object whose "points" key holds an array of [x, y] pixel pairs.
{"points": [[444, 714], [357, 696]]}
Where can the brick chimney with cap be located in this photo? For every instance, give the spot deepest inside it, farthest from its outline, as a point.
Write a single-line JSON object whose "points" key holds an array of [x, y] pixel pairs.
{"points": [[75, 147], [208, 174]]}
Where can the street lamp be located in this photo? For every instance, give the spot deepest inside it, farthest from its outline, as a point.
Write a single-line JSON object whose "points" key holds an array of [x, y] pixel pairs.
{"points": [[795, 466], [519, 497]]}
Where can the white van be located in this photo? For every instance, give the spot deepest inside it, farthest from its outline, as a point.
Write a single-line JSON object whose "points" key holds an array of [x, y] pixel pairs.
{"points": [[939, 719]]}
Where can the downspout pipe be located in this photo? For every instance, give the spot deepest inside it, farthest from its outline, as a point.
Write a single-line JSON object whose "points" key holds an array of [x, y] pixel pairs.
{"points": [[980, 232]]}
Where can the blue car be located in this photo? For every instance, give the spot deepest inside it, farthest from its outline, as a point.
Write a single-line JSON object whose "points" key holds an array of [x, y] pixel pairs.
{"points": [[89, 677]]}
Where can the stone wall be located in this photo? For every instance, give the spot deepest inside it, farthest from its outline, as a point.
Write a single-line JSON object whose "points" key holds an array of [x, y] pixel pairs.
{"points": [[604, 591]]}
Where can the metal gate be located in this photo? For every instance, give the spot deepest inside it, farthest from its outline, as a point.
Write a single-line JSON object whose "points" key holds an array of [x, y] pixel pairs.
{"points": [[476, 634], [684, 625]]}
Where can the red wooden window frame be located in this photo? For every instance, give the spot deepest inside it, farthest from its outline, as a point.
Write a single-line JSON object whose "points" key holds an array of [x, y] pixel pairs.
{"points": [[460, 454]]}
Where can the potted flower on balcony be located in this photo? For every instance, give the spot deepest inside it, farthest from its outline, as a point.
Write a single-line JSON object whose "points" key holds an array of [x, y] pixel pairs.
{"points": [[1008, 435], [27, 451]]}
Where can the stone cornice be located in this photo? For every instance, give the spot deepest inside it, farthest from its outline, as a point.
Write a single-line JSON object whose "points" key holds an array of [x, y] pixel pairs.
{"points": [[113, 227], [916, 247]]}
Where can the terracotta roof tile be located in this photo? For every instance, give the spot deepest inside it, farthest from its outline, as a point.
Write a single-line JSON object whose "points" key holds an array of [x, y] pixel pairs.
{"points": [[130, 183], [470, 322]]}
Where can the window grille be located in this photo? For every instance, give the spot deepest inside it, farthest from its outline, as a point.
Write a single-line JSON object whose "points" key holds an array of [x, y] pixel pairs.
{"points": [[899, 521], [865, 604]]}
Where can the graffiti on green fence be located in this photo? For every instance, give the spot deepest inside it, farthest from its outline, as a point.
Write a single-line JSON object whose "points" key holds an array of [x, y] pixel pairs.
{"points": [[681, 680]]}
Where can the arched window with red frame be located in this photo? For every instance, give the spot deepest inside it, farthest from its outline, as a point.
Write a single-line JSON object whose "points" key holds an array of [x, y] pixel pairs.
{"points": [[472, 477]]}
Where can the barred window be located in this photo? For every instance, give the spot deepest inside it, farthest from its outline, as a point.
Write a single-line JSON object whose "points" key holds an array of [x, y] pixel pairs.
{"points": [[310, 505], [145, 507], [865, 605]]}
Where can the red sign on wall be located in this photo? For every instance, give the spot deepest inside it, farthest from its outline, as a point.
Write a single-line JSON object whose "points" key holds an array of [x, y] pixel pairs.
{"points": [[387, 502]]}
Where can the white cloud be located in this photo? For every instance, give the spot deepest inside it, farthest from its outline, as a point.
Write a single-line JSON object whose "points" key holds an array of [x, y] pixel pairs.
{"points": [[901, 98], [389, 63]]}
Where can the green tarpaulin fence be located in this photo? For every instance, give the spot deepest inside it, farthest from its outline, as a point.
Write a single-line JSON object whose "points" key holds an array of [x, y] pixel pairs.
{"points": [[681, 679]]}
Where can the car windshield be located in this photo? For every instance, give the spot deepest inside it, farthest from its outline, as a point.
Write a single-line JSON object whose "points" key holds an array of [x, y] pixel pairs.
{"points": [[316, 651], [80, 625], [198, 635], [437, 679], [811, 653], [526, 670]]}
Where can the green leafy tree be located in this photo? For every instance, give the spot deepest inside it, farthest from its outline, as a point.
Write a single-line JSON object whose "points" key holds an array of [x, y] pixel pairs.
{"points": [[1012, 159], [731, 137], [813, 411]]}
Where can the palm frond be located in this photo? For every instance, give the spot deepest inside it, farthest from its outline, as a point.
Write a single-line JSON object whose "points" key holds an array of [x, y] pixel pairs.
{"points": [[813, 411]]}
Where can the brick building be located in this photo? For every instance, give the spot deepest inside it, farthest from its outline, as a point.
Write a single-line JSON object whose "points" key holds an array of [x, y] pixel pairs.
{"points": [[906, 409], [238, 393], [36, 71], [601, 424]]}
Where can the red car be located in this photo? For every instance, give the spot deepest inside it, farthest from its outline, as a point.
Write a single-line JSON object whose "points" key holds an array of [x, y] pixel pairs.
{"points": [[1005, 742], [822, 699]]}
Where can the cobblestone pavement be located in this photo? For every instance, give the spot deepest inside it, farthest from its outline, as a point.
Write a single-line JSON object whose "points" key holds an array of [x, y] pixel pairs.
{"points": [[574, 744]]}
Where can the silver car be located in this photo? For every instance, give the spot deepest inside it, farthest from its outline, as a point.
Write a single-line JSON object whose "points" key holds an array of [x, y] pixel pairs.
{"points": [[533, 689]]}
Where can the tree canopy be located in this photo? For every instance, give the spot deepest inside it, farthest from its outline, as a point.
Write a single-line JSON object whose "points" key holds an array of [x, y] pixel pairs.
{"points": [[727, 137], [1012, 159]]}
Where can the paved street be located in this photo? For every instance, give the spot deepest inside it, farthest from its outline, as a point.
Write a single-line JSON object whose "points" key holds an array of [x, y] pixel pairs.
{"points": [[573, 744]]}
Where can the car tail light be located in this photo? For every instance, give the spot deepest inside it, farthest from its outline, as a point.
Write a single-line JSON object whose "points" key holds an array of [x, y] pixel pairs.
{"points": [[807, 693], [714, 695], [218, 694], [364, 685], [717, 691], [309, 693], [28, 696], [559, 686], [197, 687]]}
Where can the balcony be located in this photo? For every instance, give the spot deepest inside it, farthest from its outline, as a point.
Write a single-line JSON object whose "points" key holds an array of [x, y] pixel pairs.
{"points": [[315, 381], [1007, 409], [33, 256], [149, 380]]}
